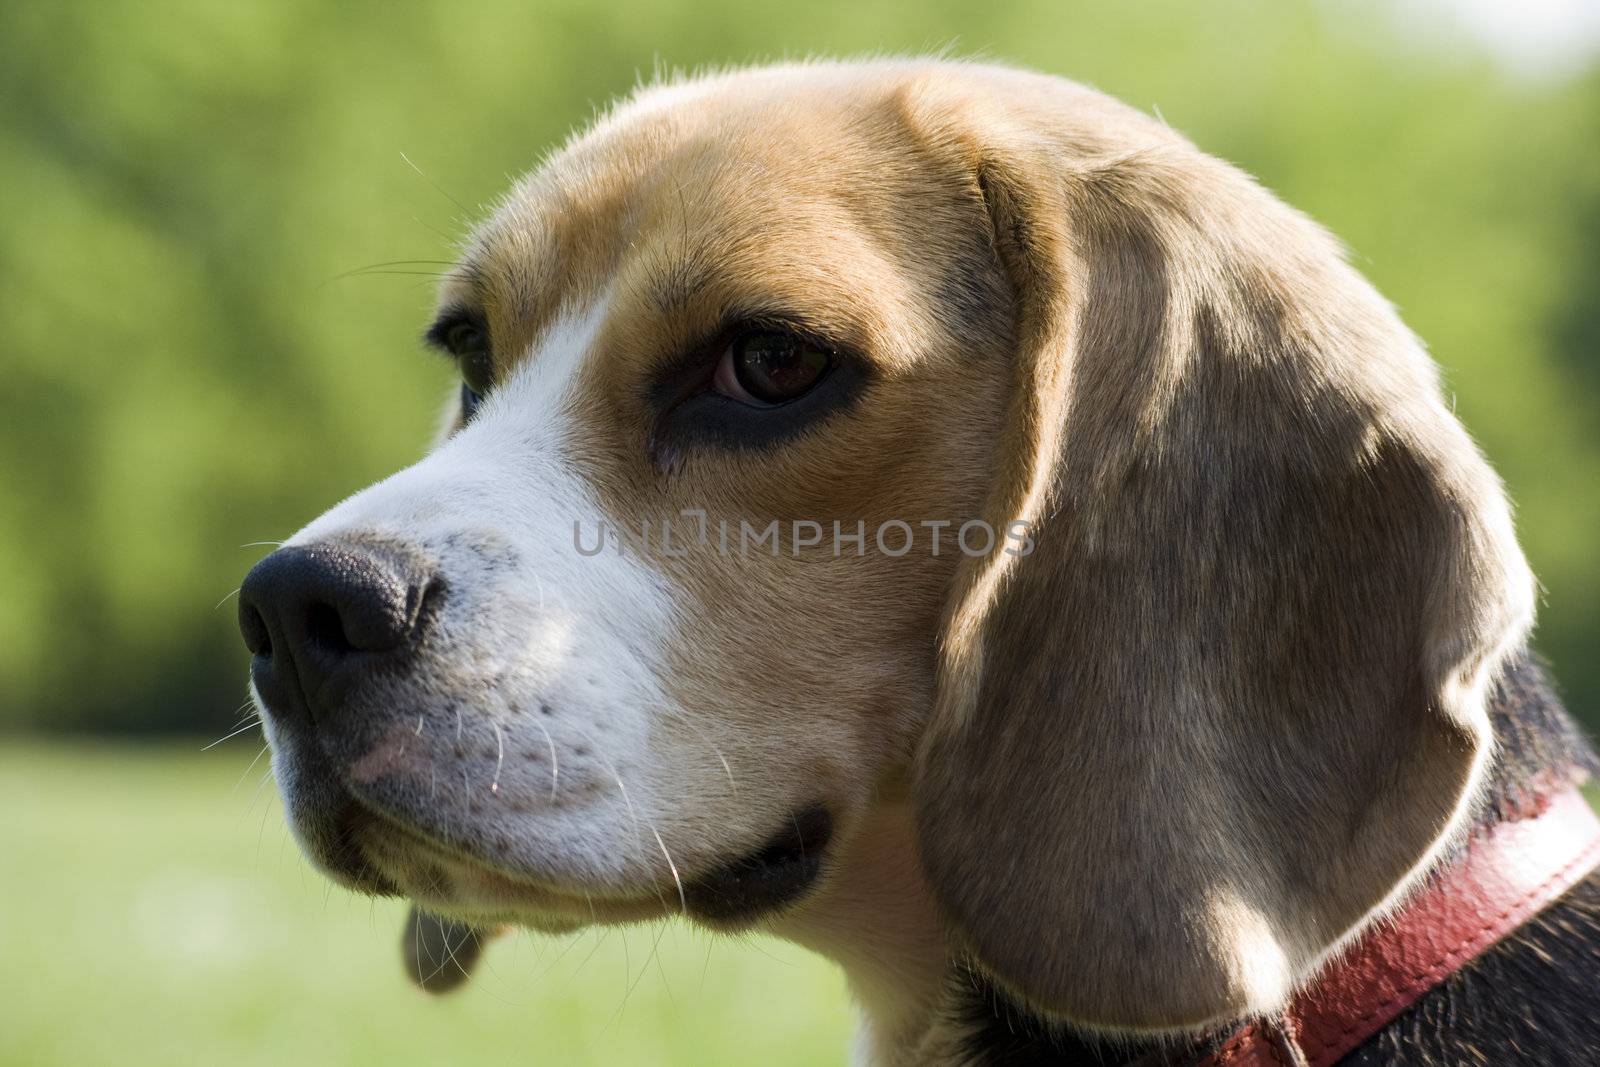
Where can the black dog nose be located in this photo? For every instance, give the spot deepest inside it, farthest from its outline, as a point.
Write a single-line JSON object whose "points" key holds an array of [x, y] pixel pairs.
{"points": [[319, 616]]}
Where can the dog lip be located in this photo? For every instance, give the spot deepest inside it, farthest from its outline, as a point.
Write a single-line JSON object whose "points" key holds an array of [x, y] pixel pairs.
{"points": [[376, 819], [731, 894], [440, 874], [774, 875], [346, 862]]}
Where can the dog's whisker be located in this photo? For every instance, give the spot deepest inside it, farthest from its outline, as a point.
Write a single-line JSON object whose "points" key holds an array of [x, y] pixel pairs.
{"points": [[393, 267], [407, 273], [683, 900], [555, 769], [634, 983], [627, 975], [661, 970], [598, 941], [633, 813], [227, 598], [449, 953], [750, 942], [262, 544], [408, 263], [250, 768], [246, 712], [439, 188], [734, 786], [627, 802], [446, 238], [500, 755], [705, 965], [255, 794], [568, 948], [686, 721], [416, 950], [251, 725]]}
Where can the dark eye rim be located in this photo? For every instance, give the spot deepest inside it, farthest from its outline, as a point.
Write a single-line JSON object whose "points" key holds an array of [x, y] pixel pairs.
{"points": [[438, 335], [691, 411], [474, 361], [693, 370]]}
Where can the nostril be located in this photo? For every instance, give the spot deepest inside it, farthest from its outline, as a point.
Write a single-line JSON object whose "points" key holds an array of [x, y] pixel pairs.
{"points": [[423, 601], [331, 609], [325, 629], [257, 638]]}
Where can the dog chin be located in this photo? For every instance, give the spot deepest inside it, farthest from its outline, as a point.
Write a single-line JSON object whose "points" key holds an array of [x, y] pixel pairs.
{"points": [[736, 894], [471, 890], [368, 848]]}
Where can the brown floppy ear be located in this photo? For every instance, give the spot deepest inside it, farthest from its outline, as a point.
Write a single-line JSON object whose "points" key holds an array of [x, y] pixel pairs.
{"points": [[1230, 707]]}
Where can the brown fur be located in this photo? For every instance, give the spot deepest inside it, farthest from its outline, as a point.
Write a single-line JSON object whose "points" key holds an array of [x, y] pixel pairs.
{"points": [[1231, 706], [680, 218], [1273, 578]]}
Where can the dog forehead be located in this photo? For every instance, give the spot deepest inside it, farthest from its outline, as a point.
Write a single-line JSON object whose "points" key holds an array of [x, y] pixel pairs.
{"points": [[721, 159], [719, 200]]}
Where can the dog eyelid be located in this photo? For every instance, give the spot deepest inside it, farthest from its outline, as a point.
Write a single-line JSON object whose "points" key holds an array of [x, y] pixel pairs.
{"points": [[438, 336]]}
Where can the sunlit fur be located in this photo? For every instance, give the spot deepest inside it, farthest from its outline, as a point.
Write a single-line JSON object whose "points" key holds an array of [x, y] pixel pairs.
{"points": [[1273, 574]]}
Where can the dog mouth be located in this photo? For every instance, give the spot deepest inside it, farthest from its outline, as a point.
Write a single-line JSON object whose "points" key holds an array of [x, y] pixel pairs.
{"points": [[348, 862], [376, 854], [389, 857], [768, 879]]}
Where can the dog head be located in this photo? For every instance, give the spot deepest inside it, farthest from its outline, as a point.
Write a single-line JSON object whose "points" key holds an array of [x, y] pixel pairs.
{"points": [[837, 432]]}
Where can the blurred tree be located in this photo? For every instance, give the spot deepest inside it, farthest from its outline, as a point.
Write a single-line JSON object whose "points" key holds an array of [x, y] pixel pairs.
{"points": [[194, 363]]}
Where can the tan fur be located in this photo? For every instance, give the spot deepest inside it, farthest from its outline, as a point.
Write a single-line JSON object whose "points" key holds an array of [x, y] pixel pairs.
{"points": [[810, 676], [1234, 702], [1229, 707]]}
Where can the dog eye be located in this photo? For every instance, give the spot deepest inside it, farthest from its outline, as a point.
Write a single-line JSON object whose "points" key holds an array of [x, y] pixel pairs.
{"points": [[468, 342], [769, 367]]}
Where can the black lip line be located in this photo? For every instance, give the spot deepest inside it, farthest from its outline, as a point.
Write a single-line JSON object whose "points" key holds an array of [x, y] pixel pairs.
{"points": [[801, 843], [779, 873], [418, 836]]}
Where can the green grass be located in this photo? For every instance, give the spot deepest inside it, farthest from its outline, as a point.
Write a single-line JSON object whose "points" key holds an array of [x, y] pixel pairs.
{"points": [[154, 912]]}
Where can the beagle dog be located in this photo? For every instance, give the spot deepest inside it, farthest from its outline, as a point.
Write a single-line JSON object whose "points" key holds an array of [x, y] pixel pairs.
{"points": [[934, 513]]}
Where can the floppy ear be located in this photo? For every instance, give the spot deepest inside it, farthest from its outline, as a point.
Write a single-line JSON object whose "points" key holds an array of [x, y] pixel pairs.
{"points": [[1231, 704]]}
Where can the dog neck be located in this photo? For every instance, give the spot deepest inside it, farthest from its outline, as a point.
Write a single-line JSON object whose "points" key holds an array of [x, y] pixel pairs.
{"points": [[876, 919], [874, 916]]}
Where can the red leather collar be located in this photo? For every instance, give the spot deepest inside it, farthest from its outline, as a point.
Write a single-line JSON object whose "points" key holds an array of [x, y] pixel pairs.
{"points": [[1508, 873]]}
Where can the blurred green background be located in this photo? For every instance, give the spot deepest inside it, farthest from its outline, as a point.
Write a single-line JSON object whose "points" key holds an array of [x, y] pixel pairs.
{"points": [[191, 368]]}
